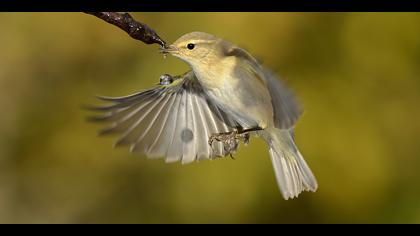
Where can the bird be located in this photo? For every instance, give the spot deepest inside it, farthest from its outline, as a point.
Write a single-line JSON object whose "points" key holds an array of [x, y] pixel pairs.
{"points": [[225, 98]]}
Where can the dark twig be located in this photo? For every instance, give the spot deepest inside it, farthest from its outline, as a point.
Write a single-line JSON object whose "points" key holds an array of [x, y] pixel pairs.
{"points": [[135, 29]]}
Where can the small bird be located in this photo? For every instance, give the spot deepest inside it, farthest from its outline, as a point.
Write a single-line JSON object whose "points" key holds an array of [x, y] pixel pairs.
{"points": [[205, 113]]}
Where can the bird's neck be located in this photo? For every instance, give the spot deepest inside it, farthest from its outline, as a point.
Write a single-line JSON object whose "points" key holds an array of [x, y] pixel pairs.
{"points": [[214, 75]]}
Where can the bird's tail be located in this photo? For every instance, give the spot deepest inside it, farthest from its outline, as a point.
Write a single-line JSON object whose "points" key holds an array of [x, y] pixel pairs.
{"points": [[292, 173]]}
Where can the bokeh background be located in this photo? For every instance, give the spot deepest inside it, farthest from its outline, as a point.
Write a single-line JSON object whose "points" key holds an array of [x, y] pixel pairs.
{"points": [[356, 74]]}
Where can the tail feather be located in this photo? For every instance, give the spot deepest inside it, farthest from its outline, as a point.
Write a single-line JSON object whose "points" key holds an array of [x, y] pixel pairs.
{"points": [[292, 173]]}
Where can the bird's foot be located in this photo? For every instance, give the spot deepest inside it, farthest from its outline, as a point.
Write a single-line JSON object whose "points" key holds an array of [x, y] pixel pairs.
{"points": [[230, 140]]}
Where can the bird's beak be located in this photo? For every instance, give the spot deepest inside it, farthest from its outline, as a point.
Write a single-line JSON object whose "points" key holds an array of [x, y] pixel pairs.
{"points": [[171, 49]]}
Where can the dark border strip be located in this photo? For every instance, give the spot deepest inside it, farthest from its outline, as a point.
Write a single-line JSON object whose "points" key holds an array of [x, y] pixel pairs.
{"points": [[211, 5]]}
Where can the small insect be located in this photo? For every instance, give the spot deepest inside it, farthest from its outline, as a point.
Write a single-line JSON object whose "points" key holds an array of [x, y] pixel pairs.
{"points": [[165, 79]]}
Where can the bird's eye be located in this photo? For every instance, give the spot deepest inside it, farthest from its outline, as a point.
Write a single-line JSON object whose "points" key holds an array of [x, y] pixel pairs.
{"points": [[190, 46]]}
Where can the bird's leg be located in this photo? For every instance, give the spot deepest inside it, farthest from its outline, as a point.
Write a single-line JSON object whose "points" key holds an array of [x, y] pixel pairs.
{"points": [[231, 139], [250, 130], [244, 134]]}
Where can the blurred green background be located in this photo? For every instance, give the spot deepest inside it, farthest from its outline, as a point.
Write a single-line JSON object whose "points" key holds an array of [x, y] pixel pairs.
{"points": [[356, 74]]}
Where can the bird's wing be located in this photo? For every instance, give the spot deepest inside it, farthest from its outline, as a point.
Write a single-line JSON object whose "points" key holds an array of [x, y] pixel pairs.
{"points": [[173, 121], [286, 109]]}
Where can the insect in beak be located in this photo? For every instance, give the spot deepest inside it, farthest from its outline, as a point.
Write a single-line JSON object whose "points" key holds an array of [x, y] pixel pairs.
{"points": [[171, 49]]}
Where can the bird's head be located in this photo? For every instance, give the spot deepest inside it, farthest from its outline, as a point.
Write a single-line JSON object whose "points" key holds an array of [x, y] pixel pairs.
{"points": [[196, 48]]}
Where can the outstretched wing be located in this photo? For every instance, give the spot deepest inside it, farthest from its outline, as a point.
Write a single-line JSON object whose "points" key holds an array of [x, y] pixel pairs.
{"points": [[173, 121]]}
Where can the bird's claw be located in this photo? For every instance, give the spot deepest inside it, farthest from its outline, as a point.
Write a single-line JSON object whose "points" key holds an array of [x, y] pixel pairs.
{"points": [[230, 141]]}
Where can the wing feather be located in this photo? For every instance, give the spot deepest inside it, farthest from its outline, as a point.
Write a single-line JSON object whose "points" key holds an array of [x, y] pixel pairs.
{"points": [[286, 109], [172, 121]]}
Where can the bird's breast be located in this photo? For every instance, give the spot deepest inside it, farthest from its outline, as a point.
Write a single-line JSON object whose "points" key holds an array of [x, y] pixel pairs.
{"points": [[243, 100], [237, 89]]}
